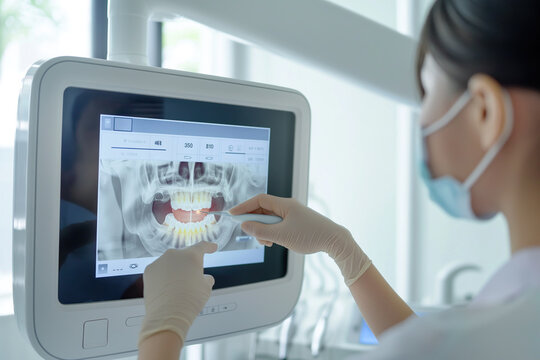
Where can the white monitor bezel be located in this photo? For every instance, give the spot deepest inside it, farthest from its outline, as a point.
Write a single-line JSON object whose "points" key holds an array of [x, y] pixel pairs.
{"points": [[55, 330]]}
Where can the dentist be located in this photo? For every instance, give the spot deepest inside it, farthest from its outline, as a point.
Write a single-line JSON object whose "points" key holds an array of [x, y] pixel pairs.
{"points": [[479, 75]]}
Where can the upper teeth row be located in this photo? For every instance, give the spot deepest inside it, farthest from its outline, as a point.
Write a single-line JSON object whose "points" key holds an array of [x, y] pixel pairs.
{"points": [[191, 201]]}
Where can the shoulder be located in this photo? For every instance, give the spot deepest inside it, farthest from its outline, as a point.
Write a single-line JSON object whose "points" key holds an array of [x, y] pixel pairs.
{"points": [[496, 332]]}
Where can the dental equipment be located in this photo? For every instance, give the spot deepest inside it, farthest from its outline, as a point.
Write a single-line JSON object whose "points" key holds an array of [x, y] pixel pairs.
{"points": [[262, 218], [152, 147]]}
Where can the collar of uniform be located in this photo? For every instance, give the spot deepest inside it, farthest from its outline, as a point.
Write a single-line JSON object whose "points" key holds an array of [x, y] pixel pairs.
{"points": [[518, 275]]}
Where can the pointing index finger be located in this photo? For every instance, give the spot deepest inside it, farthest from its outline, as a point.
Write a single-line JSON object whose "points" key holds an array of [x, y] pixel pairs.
{"points": [[262, 203], [204, 247]]}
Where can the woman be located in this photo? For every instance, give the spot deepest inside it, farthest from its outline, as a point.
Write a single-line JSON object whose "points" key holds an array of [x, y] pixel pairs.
{"points": [[479, 75]]}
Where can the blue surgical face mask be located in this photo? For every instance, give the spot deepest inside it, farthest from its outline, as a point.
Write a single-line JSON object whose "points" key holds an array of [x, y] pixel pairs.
{"points": [[450, 194]]}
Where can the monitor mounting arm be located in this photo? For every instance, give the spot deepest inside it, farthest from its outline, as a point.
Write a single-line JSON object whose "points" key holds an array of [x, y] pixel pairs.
{"points": [[314, 32]]}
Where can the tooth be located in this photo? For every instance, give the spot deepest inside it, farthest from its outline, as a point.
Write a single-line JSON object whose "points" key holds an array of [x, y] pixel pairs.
{"points": [[175, 204], [176, 201], [181, 240], [174, 241], [185, 202], [185, 229], [192, 237], [189, 230], [204, 202], [172, 234], [183, 235], [168, 220], [185, 239], [210, 234]]}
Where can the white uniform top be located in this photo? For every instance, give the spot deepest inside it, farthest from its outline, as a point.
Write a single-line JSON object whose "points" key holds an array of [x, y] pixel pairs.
{"points": [[502, 322]]}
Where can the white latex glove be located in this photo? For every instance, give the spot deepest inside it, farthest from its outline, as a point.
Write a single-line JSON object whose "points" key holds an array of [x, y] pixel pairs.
{"points": [[176, 290], [305, 231]]}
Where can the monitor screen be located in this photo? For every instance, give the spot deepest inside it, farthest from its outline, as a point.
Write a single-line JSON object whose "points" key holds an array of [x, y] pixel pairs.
{"points": [[160, 178], [140, 173]]}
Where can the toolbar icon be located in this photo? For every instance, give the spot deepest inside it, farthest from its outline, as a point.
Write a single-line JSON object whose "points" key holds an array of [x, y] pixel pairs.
{"points": [[102, 268]]}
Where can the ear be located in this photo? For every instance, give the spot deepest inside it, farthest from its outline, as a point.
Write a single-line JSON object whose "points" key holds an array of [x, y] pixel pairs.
{"points": [[487, 113]]}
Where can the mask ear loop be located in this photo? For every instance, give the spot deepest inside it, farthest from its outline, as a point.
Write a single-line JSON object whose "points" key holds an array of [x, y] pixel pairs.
{"points": [[491, 153], [449, 116]]}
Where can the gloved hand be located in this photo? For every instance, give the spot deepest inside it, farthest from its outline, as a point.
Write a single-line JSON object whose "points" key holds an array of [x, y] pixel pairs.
{"points": [[176, 290], [305, 231]]}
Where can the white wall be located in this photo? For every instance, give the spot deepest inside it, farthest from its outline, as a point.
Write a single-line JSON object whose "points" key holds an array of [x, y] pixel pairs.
{"points": [[352, 167]]}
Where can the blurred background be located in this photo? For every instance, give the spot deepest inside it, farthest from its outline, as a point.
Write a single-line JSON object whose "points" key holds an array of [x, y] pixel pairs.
{"points": [[361, 170]]}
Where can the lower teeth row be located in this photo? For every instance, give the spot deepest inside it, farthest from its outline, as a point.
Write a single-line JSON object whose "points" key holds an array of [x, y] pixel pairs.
{"points": [[186, 234]]}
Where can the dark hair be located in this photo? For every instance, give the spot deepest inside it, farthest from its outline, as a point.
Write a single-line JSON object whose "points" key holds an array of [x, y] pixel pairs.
{"points": [[500, 38]]}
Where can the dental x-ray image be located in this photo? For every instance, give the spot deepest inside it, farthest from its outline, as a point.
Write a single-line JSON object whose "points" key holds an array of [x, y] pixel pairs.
{"points": [[146, 207]]}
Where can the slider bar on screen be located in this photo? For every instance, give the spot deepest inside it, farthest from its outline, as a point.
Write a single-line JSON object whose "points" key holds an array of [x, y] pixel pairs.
{"points": [[134, 148], [234, 153]]}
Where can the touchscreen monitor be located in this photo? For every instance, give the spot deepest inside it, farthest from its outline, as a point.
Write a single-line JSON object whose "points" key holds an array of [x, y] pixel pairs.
{"points": [[115, 164]]}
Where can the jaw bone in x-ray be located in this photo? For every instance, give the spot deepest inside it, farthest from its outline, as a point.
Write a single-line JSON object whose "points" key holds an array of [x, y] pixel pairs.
{"points": [[161, 202]]}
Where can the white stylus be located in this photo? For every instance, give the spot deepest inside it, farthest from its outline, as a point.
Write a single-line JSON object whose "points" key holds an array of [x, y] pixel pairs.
{"points": [[265, 219]]}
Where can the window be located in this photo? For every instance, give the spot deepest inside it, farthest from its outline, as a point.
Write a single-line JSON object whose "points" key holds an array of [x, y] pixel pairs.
{"points": [[30, 31], [190, 46]]}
